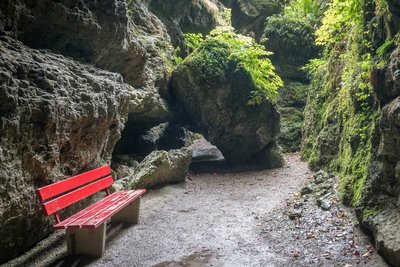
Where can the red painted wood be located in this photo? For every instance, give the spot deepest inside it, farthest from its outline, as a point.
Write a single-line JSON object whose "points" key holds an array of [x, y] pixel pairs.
{"points": [[101, 211], [66, 185], [104, 215], [89, 211], [57, 217], [76, 195]]}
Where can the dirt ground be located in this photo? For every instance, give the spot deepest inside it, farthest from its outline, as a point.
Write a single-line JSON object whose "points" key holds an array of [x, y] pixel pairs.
{"points": [[227, 218]]}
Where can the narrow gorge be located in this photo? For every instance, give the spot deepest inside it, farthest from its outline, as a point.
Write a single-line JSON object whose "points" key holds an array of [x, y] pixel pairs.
{"points": [[134, 84]]}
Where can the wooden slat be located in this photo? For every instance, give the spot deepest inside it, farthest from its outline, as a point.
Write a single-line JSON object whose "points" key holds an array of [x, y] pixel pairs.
{"points": [[66, 185], [107, 213], [74, 196], [90, 211], [101, 211]]}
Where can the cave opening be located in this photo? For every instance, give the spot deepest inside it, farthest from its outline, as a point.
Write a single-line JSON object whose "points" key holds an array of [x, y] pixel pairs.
{"points": [[140, 138]]}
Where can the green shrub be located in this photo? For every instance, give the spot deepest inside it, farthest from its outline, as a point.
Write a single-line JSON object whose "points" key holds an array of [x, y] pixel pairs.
{"points": [[291, 38], [223, 46], [193, 40]]}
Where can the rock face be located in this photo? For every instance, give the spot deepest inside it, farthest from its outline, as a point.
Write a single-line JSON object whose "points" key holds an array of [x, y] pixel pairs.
{"points": [[58, 117], [291, 103], [114, 35], [384, 194], [365, 152], [192, 16], [159, 168], [384, 226], [248, 17], [220, 112]]}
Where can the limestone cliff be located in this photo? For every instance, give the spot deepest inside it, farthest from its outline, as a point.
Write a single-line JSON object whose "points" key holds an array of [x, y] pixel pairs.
{"points": [[352, 118], [189, 17], [61, 115], [58, 117], [112, 34]]}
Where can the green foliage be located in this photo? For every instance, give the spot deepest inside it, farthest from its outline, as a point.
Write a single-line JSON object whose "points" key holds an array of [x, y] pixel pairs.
{"points": [[193, 40], [310, 10], [223, 46], [342, 101], [341, 21], [291, 37], [384, 50]]}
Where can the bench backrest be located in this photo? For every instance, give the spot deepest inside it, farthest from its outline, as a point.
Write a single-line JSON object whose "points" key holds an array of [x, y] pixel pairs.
{"points": [[59, 195]]}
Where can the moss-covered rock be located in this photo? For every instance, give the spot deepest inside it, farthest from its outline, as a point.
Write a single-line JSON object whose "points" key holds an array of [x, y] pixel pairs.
{"points": [[290, 102], [292, 41], [352, 119], [213, 90], [157, 169]]}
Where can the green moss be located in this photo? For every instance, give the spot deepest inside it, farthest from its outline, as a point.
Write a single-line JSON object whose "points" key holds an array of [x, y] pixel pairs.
{"points": [[369, 213], [290, 38], [292, 94], [341, 113], [290, 102], [222, 49], [209, 61]]}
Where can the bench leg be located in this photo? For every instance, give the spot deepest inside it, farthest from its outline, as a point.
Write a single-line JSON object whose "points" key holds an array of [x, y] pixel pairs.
{"points": [[130, 214], [89, 241]]}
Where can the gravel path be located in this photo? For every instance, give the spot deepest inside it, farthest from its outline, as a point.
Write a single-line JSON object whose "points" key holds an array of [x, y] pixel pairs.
{"points": [[217, 219]]}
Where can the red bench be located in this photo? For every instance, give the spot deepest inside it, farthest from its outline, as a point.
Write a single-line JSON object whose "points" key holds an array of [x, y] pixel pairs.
{"points": [[86, 230]]}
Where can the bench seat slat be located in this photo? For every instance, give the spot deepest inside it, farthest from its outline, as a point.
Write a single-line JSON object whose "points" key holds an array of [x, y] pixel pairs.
{"points": [[111, 210], [66, 185], [86, 214], [74, 196], [81, 215], [99, 212]]}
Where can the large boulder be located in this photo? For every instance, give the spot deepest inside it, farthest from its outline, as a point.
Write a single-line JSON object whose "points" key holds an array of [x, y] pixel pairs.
{"points": [[112, 34], [58, 117], [292, 41], [157, 169], [213, 97]]}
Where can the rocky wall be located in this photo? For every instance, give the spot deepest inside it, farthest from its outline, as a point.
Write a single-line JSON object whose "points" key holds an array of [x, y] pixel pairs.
{"points": [[358, 138], [189, 17], [112, 34], [58, 117]]}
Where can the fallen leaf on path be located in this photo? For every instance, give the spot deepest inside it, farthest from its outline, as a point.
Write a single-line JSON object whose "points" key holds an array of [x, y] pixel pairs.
{"points": [[366, 254], [310, 235], [340, 215], [327, 255], [296, 254]]}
